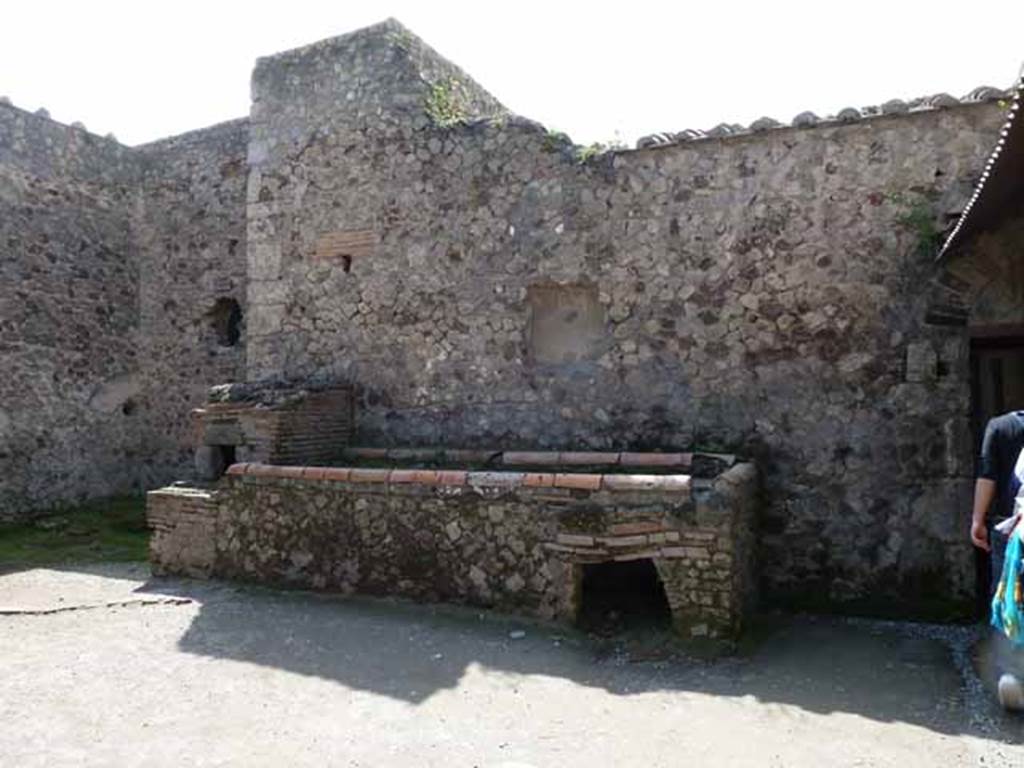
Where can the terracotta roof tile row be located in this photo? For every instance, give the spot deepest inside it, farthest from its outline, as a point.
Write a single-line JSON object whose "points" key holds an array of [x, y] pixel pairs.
{"points": [[536, 458], [464, 478], [810, 119]]}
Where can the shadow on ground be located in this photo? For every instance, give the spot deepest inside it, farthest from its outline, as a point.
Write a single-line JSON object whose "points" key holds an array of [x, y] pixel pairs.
{"points": [[884, 671]]}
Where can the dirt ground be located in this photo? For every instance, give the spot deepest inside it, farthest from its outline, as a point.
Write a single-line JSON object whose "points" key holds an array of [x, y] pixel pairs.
{"points": [[106, 666]]}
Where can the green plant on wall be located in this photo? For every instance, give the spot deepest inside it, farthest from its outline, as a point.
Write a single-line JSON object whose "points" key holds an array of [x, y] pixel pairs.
{"points": [[555, 140], [590, 151], [915, 213], [402, 39], [447, 103]]}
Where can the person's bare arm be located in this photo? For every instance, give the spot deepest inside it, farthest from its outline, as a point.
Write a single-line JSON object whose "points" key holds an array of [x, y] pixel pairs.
{"points": [[984, 492]]}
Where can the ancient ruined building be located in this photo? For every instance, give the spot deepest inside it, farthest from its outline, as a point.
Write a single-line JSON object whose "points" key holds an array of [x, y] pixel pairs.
{"points": [[381, 223]]}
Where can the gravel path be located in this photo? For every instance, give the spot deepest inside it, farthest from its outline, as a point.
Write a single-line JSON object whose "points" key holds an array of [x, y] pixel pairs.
{"points": [[229, 675]]}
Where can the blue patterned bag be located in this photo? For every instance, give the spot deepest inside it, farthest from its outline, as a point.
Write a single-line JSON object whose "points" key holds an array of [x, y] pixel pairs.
{"points": [[1008, 603]]}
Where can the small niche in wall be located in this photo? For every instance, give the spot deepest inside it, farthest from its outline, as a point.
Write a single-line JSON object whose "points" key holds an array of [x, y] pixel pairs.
{"points": [[225, 321], [567, 323]]}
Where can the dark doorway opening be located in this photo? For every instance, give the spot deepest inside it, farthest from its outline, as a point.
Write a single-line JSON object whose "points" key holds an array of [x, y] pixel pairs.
{"points": [[227, 453], [212, 461], [226, 322], [623, 596], [997, 386]]}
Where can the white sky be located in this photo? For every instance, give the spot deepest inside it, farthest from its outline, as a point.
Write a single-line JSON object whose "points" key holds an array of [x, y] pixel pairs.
{"points": [[145, 70]]}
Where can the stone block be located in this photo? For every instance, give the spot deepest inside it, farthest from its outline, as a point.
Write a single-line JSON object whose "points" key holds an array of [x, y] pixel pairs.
{"points": [[690, 553], [624, 541], [696, 537], [644, 554], [266, 319], [262, 292], [922, 362], [264, 260], [664, 483], [453, 531], [575, 540], [628, 529], [495, 479]]}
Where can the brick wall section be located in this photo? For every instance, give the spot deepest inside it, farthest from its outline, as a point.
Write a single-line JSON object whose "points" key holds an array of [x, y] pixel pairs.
{"points": [[184, 531], [515, 541], [315, 431], [311, 428]]}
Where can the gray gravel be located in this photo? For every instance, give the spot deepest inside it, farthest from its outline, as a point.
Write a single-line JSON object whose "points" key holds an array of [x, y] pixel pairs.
{"points": [[232, 675]]}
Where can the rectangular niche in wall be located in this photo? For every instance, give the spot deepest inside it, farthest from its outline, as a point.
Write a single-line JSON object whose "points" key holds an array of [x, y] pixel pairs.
{"points": [[567, 323]]}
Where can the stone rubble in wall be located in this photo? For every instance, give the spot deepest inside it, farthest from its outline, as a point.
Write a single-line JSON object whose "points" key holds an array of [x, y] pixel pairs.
{"points": [[44, 113], [760, 295], [520, 549], [110, 344], [810, 119], [748, 290], [273, 392]]}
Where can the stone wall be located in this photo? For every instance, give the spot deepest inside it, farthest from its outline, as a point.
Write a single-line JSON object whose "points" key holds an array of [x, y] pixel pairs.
{"points": [[766, 293], [481, 281], [317, 118], [115, 259], [68, 314], [516, 541], [190, 232]]}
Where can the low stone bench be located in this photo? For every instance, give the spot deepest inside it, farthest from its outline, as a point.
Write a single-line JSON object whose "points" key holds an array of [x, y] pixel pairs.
{"points": [[515, 541]]}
